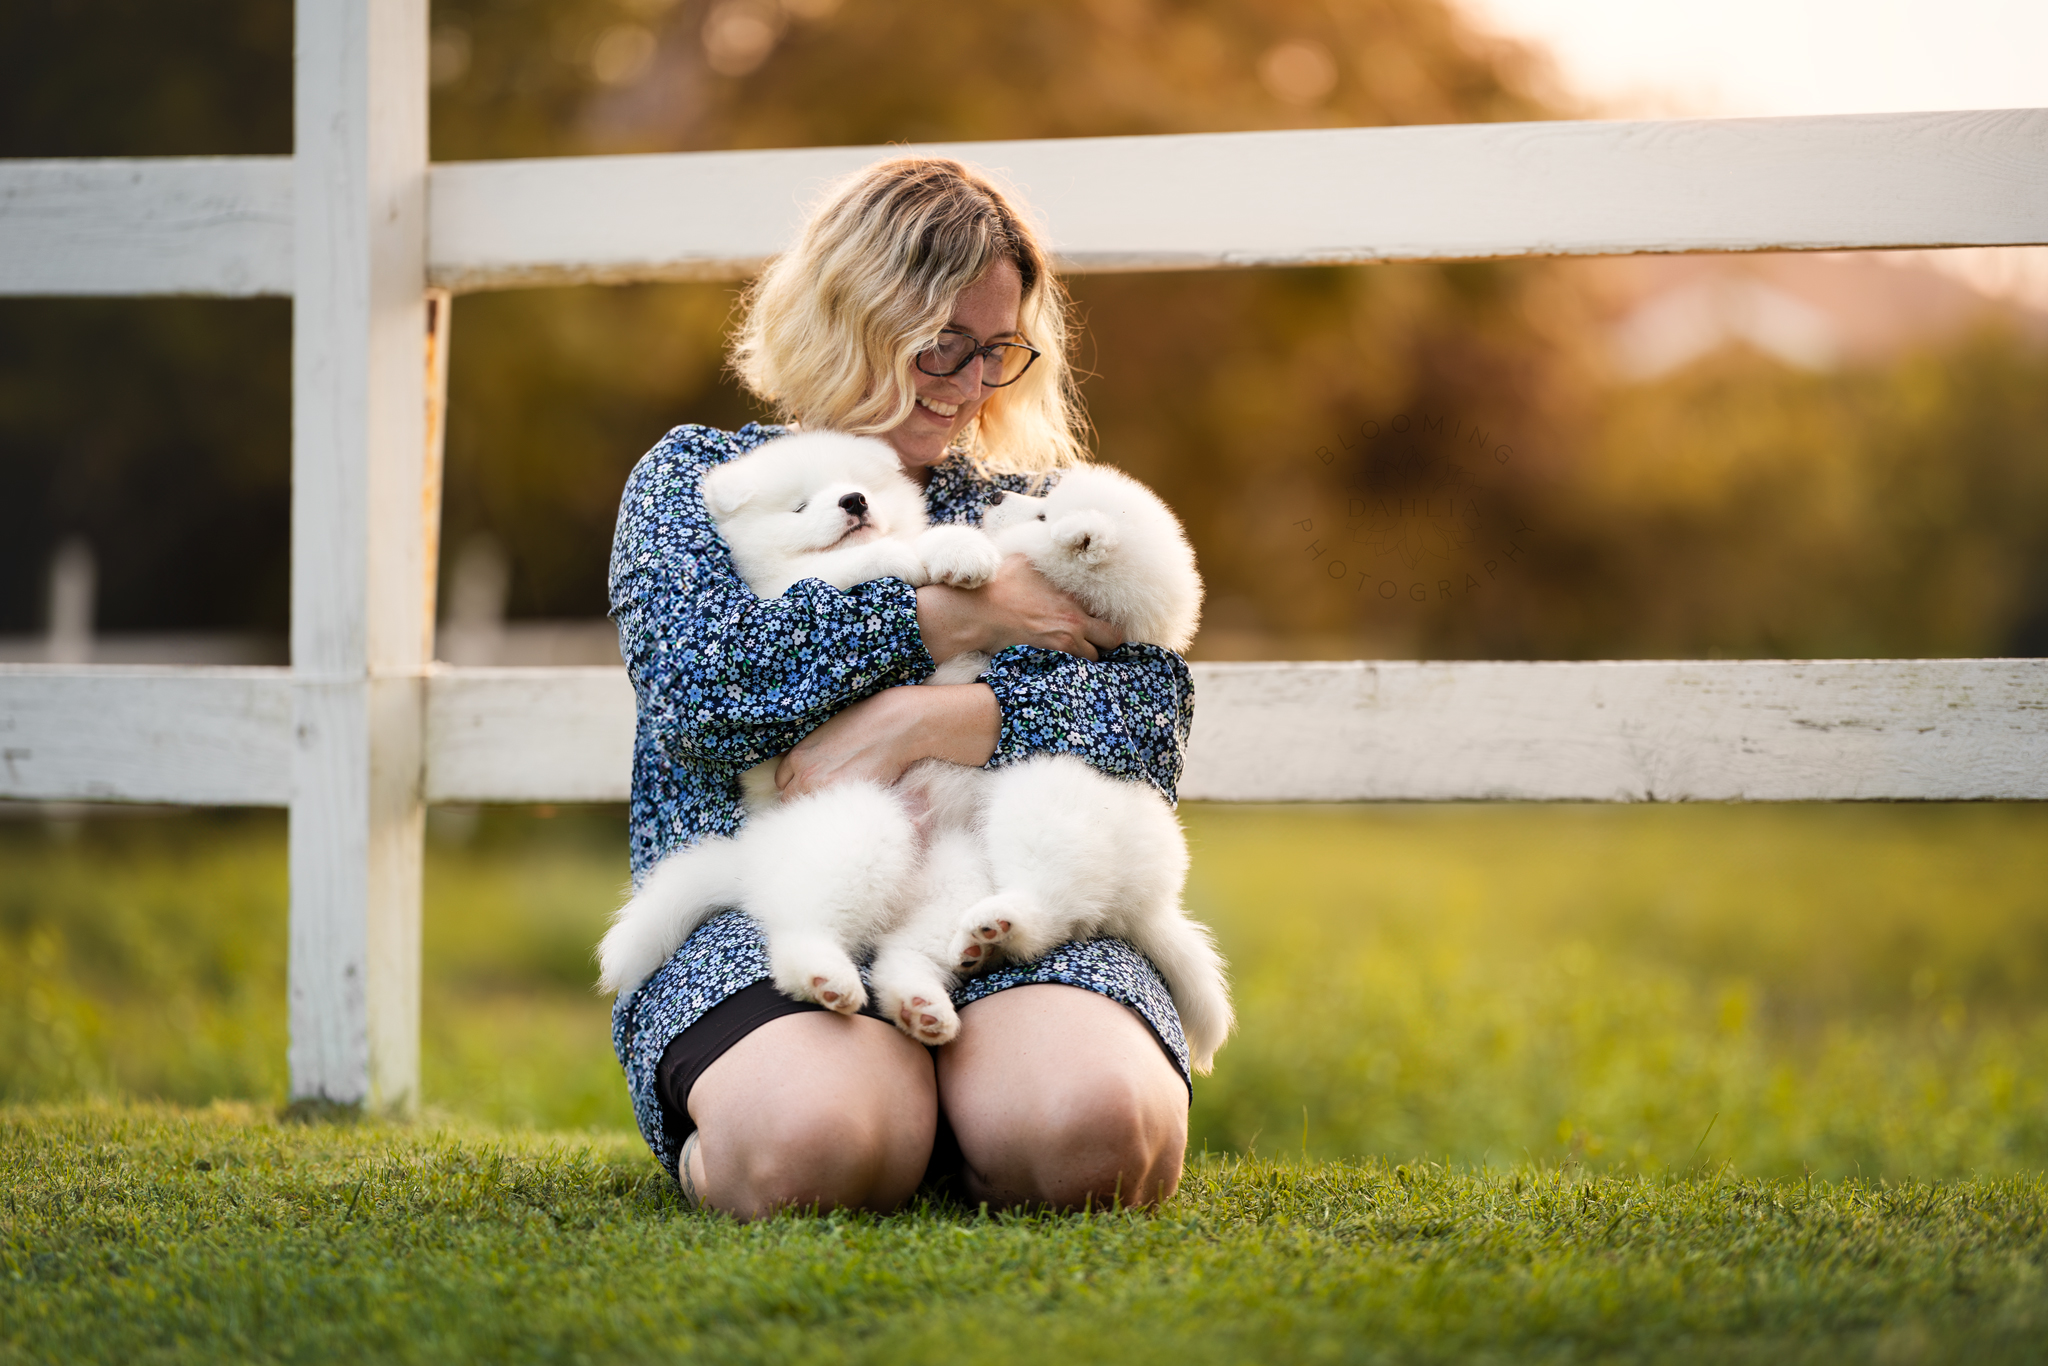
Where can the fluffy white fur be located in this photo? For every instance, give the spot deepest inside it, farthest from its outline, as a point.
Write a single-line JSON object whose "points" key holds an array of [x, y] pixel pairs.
{"points": [[1009, 863]]}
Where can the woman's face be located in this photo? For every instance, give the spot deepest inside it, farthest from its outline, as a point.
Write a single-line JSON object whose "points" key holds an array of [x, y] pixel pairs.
{"points": [[987, 311]]}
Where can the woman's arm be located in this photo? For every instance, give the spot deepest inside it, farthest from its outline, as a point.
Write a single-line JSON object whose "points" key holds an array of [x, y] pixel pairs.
{"points": [[720, 673], [879, 738], [1017, 607], [1064, 682], [1128, 715]]}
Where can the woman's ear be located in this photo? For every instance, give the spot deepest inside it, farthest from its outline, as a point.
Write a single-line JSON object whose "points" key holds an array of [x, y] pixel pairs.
{"points": [[727, 490]]}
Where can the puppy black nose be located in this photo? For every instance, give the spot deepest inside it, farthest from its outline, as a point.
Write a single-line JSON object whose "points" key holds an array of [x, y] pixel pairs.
{"points": [[856, 504], [995, 498]]}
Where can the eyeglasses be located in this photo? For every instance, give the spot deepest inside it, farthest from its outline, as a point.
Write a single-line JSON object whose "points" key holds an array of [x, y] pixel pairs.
{"points": [[953, 351]]}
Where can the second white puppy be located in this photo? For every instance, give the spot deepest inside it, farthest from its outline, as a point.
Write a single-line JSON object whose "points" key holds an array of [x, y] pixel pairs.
{"points": [[1049, 850]]}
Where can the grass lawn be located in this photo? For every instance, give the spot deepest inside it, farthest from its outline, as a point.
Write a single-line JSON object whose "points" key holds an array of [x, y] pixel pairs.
{"points": [[1567, 1083], [136, 1233]]}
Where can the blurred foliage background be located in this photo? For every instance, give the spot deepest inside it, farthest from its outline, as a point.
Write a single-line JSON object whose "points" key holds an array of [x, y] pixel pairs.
{"points": [[1543, 501]]}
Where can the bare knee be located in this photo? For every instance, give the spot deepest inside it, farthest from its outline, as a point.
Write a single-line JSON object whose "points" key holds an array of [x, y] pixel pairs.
{"points": [[1063, 1097], [813, 1111], [817, 1161], [1106, 1141]]}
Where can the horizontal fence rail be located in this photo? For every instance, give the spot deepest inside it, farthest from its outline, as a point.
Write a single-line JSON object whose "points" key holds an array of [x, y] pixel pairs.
{"points": [[1724, 730], [165, 225], [108, 733], [1848, 730], [223, 226]]}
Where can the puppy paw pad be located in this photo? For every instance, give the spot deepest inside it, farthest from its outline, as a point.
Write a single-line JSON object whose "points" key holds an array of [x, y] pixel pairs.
{"points": [[927, 1022], [845, 997]]}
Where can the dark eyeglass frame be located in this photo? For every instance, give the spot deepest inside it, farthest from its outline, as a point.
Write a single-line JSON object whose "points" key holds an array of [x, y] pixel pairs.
{"points": [[991, 350]]}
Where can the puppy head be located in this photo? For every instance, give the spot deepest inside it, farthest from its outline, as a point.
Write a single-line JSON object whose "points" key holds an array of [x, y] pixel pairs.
{"points": [[798, 495], [1108, 542]]}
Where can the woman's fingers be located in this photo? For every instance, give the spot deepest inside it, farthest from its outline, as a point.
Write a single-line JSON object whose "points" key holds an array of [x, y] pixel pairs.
{"points": [[1103, 635], [861, 742], [1028, 610]]}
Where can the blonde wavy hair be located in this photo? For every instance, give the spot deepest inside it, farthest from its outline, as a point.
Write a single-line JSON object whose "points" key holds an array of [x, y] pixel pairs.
{"points": [[829, 329]]}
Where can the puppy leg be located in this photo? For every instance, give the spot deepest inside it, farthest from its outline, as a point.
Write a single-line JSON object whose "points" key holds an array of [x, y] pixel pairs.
{"points": [[884, 559], [959, 555], [913, 978], [1057, 834], [913, 991], [1010, 924], [811, 966], [825, 875]]}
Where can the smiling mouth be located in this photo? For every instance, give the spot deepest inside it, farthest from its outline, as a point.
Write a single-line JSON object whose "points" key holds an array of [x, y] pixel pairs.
{"points": [[945, 410]]}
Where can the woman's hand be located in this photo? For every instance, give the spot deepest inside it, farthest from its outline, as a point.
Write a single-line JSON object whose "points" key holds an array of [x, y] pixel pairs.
{"points": [[1016, 607], [879, 737]]}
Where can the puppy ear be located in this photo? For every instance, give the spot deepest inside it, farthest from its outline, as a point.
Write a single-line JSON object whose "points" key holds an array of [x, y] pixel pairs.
{"points": [[727, 490], [1090, 537]]}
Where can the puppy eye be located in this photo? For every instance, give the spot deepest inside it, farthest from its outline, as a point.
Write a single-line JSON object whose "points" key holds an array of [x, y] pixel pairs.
{"points": [[1041, 516], [801, 506]]}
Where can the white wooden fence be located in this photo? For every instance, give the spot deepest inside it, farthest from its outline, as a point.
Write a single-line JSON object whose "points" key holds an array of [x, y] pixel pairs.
{"points": [[366, 238]]}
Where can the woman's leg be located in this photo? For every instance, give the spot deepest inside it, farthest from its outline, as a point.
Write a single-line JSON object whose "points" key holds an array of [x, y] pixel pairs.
{"points": [[813, 1109], [1062, 1097]]}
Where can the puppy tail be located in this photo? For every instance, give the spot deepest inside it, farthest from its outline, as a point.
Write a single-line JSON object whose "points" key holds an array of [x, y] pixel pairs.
{"points": [[685, 889], [1187, 958]]}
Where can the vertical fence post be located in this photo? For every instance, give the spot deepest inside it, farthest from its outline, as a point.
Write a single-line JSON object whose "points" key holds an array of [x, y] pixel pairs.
{"points": [[362, 575]]}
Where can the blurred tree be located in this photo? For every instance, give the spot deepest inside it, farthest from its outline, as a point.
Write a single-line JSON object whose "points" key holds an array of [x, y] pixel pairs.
{"points": [[139, 78], [1393, 460], [1204, 382], [158, 429], [1885, 510]]}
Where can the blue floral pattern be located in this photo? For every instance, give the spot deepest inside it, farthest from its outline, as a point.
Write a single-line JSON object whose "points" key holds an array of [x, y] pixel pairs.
{"points": [[725, 679]]}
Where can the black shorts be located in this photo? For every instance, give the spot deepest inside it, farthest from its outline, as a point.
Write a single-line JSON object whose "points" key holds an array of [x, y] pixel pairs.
{"points": [[715, 990]]}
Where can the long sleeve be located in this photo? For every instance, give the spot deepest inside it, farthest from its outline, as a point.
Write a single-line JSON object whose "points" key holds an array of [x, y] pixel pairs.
{"points": [[722, 675], [1127, 715]]}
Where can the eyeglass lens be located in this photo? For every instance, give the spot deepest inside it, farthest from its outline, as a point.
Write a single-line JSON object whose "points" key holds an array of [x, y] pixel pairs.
{"points": [[951, 353]]}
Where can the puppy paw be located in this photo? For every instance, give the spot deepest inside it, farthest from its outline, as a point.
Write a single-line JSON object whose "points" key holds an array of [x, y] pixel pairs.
{"points": [[843, 994], [958, 555], [895, 560], [929, 1020], [983, 932], [832, 984]]}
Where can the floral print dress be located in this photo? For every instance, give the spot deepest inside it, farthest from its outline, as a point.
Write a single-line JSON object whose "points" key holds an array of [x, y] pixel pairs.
{"points": [[725, 680]]}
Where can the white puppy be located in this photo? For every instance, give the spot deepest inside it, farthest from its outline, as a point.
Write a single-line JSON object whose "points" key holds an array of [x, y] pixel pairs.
{"points": [[1027, 857], [830, 871], [1015, 861]]}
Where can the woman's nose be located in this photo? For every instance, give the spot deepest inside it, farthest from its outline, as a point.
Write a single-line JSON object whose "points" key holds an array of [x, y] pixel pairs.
{"points": [[856, 504]]}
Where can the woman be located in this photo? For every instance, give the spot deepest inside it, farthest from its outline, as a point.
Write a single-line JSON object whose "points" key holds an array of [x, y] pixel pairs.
{"points": [[916, 306]]}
